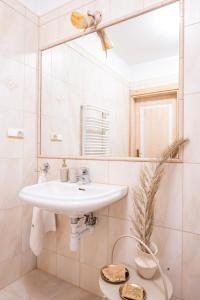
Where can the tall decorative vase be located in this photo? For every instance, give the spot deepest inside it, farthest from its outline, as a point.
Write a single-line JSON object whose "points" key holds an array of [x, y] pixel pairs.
{"points": [[146, 266]]}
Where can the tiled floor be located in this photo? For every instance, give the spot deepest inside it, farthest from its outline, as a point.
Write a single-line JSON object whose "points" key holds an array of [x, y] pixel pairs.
{"points": [[38, 285]]}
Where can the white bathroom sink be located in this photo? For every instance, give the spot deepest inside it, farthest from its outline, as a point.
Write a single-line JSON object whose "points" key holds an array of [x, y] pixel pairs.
{"points": [[71, 198]]}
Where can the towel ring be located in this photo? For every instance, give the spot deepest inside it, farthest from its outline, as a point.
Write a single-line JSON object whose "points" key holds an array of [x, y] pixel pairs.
{"points": [[149, 250]]}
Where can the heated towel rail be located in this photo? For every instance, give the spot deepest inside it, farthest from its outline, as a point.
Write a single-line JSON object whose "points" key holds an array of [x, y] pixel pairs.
{"points": [[95, 131]]}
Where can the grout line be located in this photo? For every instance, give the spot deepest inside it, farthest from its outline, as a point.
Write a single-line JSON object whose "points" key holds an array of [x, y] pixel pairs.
{"points": [[191, 24], [191, 93]]}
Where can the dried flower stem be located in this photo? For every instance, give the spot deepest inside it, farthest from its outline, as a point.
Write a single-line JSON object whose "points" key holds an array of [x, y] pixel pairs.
{"points": [[144, 194]]}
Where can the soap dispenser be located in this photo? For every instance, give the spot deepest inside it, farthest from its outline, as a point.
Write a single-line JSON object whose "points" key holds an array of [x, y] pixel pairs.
{"points": [[64, 171]]}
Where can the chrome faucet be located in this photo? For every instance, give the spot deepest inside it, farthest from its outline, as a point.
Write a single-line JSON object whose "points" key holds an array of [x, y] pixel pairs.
{"points": [[84, 177], [45, 167]]}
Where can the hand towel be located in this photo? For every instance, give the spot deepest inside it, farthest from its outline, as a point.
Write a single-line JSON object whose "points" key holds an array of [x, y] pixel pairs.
{"points": [[43, 221], [37, 231]]}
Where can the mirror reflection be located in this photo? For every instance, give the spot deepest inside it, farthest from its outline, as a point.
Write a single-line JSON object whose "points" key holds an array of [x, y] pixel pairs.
{"points": [[93, 104]]}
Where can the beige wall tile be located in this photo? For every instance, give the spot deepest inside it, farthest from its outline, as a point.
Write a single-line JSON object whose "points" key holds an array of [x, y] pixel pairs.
{"points": [[192, 59], [26, 226], [29, 171], [17, 83], [12, 33], [16, 5], [191, 262], [30, 135], [10, 182], [11, 83], [31, 43], [150, 2], [50, 241], [32, 16], [10, 270], [48, 33], [63, 237], [48, 17], [169, 198], [124, 8], [191, 125], [125, 249], [94, 247], [60, 62], [89, 279], [62, 27], [169, 244], [192, 11], [10, 148], [122, 208], [11, 241], [30, 92], [123, 173], [68, 269], [191, 190], [65, 27], [28, 262], [47, 262], [102, 212], [66, 8]]}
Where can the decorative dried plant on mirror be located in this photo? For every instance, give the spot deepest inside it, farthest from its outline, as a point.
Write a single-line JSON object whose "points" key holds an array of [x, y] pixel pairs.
{"points": [[144, 194], [90, 20]]}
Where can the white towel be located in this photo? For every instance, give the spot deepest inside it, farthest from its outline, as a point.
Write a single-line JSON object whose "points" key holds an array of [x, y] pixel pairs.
{"points": [[42, 222]]}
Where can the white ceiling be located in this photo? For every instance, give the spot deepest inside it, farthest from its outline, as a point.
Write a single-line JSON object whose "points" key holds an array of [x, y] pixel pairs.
{"points": [[41, 7], [148, 37], [145, 45]]}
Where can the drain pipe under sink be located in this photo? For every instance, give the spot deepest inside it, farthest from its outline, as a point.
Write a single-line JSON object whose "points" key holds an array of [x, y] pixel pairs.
{"points": [[80, 226]]}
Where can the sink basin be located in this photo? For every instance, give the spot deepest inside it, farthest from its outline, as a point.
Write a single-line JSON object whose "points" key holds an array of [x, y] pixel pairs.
{"points": [[71, 198]]}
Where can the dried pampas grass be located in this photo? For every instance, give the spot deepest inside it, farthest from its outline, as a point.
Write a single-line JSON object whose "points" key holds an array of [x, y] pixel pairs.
{"points": [[144, 194]]}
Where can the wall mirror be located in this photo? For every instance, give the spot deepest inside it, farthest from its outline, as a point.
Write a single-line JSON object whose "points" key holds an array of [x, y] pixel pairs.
{"points": [[110, 106]]}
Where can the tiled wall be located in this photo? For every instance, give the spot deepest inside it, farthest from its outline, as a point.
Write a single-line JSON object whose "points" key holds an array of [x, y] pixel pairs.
{"points": [[67, 84], [191, 171], [18, 105], [83, 267], [177, 231]]}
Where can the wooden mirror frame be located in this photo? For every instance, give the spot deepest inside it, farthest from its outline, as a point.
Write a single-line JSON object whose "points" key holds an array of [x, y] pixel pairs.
{"points": [[106, 25]]}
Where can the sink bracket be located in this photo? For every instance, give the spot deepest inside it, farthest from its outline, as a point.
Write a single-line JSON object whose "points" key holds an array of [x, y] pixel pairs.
{"points": [[80, 226], [90, 219]]}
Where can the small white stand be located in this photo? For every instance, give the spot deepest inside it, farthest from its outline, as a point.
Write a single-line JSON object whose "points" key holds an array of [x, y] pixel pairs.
{"points": [[158, 288], [154, 287]]}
